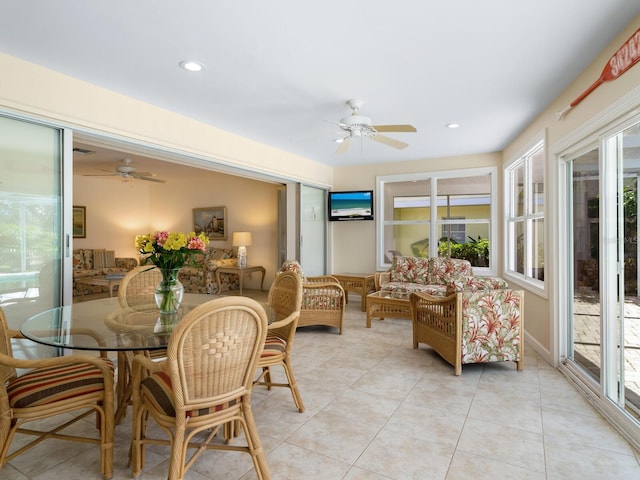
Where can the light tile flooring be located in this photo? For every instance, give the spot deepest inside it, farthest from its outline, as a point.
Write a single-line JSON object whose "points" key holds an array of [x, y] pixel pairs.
{"points": [[377, 409]]}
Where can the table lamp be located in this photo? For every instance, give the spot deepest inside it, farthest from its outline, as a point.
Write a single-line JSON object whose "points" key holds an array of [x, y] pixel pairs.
{"points": [[242, 240]]}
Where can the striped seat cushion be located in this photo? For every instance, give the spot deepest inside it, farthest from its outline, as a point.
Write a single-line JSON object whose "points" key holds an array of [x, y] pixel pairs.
{"points": [[273, 345], [44, 386], [157, 390]]}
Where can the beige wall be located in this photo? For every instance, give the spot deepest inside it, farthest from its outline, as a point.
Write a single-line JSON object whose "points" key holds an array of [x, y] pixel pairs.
{"points": [[117, 211], [35, 90]]}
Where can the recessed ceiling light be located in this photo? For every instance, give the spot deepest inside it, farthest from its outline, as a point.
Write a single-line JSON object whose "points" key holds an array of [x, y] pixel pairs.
{"points": [[191, 66], [452, 125]]}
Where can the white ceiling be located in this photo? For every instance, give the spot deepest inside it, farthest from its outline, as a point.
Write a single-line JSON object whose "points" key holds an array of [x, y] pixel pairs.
{"points": [[281, 71]]}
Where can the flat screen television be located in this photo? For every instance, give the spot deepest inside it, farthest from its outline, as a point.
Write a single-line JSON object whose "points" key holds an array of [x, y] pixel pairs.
{"points": [[351, 205]]}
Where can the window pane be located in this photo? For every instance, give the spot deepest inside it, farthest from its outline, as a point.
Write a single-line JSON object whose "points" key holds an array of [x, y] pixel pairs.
{"points": [[474, 248], [537, 249], [520, 245], [537, 181], [518, 190], [410, 240], [395, 191]]}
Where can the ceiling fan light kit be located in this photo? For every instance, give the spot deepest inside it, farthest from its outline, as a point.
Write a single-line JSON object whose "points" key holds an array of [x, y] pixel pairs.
{"points": [[356, 125]]}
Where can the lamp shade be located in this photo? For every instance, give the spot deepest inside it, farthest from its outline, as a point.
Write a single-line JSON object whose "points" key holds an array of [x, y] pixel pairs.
{"points": [[241, 239]]}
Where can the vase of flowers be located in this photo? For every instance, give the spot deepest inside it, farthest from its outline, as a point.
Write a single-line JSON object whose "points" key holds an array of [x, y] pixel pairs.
{"points": [[170, 252]]}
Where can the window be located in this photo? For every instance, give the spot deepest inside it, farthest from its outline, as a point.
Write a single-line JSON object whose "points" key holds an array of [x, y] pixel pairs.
{"points": [[524, 210], [437, 213]]}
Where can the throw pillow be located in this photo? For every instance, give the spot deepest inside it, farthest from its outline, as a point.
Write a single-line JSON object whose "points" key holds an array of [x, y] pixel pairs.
{"points": [[110, 259], [98, 258]]}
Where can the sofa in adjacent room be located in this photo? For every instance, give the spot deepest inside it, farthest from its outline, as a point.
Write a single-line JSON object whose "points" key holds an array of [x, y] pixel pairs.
{"points": [[199, 276], [91, 262]]}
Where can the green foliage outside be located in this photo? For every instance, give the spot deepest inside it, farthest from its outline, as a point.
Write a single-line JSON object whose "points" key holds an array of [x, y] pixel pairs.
{"points": [[476, 251]]}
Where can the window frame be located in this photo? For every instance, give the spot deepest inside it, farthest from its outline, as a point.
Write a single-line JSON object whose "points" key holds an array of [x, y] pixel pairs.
{"points": [[528, 216], [434, 223]]}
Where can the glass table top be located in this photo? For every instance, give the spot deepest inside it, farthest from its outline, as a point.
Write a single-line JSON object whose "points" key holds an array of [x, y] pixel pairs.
{"points": [[104, 325]]}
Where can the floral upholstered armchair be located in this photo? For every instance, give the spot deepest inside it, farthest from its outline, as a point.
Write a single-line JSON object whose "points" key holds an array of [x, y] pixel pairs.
{"points": [[471, 326], [464, 318], [323, 298]]}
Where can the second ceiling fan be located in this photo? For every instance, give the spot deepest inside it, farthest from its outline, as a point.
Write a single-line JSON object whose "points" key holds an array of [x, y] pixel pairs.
{"points": [[358, 126], [128, 171]]}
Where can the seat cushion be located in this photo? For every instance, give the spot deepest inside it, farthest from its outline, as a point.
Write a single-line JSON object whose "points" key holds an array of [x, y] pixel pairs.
{"points": [[157, 391], [43, 386], [273, 345], [404, 289]]}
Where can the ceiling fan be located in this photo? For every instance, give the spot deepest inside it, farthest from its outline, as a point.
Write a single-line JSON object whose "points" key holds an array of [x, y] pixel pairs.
{"points": [[128, 171], [360, 126]]}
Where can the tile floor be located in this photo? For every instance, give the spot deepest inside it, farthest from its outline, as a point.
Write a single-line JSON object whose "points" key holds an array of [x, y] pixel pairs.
{"points": [[377, 409]]}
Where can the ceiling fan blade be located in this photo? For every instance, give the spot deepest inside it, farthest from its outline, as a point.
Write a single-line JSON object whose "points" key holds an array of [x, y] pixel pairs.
{"points": [[145, 174], [392, 142], [394, 128], [344, 146], [100, 174], [148, 179]]}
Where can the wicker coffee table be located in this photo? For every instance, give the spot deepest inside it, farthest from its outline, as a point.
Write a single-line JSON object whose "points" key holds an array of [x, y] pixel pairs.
{"points": [[109, 281], [380, 306]]}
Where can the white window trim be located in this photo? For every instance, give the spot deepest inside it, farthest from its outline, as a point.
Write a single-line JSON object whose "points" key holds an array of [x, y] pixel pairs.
{"points": [[540, 287], [440, 174]]}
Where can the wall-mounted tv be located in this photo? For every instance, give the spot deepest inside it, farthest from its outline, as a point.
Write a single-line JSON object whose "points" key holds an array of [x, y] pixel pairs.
{"points": [[351, 205]]}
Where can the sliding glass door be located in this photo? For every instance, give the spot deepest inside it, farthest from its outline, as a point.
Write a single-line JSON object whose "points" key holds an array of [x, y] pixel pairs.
{"points": [[313, 230], [31, 220], [603, 317]]}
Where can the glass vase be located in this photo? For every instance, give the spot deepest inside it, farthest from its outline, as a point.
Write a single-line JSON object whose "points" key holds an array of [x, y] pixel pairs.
{"points": [[169, 291]]}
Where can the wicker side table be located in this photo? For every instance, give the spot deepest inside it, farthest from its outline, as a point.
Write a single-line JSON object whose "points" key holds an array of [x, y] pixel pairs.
{"points": [[380, 306], [360, 283]]}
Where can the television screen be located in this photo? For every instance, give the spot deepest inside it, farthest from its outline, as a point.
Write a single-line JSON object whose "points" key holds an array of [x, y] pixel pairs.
{"points": [[351, 205]]}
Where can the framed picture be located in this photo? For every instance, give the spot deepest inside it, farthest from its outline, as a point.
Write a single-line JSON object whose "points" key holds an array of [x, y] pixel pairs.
{"points": [[79, 222], [212, 221]]}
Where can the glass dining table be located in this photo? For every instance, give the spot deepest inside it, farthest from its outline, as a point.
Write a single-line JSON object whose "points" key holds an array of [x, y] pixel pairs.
{"points": [[103, 325]]}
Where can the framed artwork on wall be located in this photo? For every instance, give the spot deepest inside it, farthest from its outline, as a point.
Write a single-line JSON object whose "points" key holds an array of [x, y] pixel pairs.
{"points": [[212, 221], [79, 222]]}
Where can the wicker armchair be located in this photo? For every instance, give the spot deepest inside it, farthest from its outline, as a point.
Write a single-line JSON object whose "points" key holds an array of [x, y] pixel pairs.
{"points": [[60, 386], [204, 384], [323, 299], [471, 326], [285, 297]]}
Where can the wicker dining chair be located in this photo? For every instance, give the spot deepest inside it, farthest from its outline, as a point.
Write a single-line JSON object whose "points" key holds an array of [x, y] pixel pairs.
{"points": [[136, 292], [204, 384], [138, 287], [59, 386], [285, 298]]}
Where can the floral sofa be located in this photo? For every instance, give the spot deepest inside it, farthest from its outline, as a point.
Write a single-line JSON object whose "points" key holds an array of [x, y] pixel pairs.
{"points": [[464, 318], [89, 262], [200, 275], [438, 276]]}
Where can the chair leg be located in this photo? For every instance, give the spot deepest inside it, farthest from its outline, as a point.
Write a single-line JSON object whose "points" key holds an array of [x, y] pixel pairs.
{"points": [[178, 454], [136, 453], [253, 441], [107, 434], [297, 398]]}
